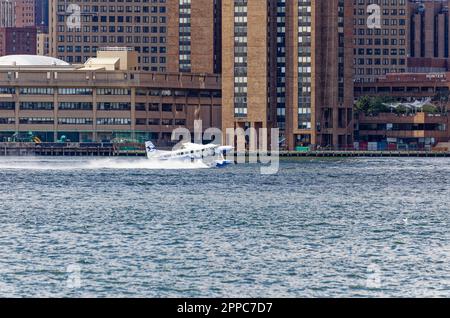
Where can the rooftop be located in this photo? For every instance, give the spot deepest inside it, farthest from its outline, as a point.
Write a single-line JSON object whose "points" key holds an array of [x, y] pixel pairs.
{"points": [[30, 60], [106, 63]]}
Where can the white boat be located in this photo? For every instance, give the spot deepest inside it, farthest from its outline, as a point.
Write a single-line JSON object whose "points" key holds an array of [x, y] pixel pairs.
{"points": [[210, 154]]}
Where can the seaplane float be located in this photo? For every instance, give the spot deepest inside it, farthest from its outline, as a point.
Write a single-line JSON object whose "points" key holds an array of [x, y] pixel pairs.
{"points": [[211, 155]]}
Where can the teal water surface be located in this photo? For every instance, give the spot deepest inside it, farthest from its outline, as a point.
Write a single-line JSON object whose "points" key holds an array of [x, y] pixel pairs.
{"points": [[72, 227]]}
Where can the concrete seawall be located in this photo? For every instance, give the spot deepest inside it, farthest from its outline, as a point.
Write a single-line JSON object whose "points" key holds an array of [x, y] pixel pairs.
{"points": [[110, 150]]}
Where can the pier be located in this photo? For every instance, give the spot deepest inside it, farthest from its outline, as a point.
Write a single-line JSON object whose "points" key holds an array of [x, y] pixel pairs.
{"points": [[69, 149], [350, 153], [116, 150]]}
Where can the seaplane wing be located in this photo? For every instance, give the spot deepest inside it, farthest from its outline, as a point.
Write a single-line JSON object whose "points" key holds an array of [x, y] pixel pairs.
{"points": [[189, 151]]}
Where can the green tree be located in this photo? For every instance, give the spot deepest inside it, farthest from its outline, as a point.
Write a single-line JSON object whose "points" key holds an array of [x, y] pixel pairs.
{"points": [[443, 99], [373, 105], [363, 105], [430, 109], [401, 110]]}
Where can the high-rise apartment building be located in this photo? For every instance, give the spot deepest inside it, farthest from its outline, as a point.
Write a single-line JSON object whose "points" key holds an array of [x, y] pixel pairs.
{"points": [[7, 14], [411, 35], [169, 35], [17, 29], [288, 64], [17, 13], [192, 27], [381, 37], [25, 13], [430, 29]]}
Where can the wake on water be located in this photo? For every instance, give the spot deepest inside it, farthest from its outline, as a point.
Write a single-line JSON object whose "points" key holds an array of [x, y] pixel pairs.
{"points": [[34, 163]]}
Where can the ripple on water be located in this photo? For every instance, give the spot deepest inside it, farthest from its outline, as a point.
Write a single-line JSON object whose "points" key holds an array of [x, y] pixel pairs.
{"points": [[356, 227]]}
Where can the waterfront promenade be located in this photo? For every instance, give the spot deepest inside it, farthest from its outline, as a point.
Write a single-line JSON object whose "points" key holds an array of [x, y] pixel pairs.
{"points": [[113, 150]]}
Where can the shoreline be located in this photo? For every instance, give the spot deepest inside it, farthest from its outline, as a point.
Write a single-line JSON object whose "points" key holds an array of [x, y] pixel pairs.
{"points": [[109, 150]]}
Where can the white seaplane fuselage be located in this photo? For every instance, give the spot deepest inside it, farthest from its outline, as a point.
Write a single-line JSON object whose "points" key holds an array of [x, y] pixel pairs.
{"points": [[211, 154]]}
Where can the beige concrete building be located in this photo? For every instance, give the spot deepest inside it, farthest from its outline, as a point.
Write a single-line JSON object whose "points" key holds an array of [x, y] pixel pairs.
{"points": [[100, 101], [42, 44]]}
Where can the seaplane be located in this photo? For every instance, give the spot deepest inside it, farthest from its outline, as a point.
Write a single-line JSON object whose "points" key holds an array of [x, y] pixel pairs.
{"points": [[211, 154]]}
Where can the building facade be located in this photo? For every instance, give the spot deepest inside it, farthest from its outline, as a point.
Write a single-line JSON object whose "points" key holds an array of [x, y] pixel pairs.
{"points": [[25, 13], [429, 35], [410, 36], [411, 129], [17, 27], [42, 43], [52, 99], [288, 64], [18, 41], [192, 28], [414, 131], [169, 35], [406, 86], [381, 38], [7, 14], [17, 13]]}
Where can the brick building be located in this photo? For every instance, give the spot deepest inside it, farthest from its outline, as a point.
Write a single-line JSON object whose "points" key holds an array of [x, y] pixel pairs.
{"points": [[25, 13], [170, 36], [18, 40], [17, 27], [413, 129], [380, 48], [288, 64], [429, 32]]}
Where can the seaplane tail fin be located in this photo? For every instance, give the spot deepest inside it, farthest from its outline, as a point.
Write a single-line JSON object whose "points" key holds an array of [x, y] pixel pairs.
{"points": [[150, 149]]}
